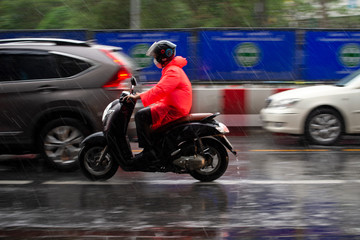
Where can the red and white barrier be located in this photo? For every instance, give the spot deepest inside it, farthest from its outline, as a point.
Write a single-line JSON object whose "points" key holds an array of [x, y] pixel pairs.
{"points": [[238, 106]]}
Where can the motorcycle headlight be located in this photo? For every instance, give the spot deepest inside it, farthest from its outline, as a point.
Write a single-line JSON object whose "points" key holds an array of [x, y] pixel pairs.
{"points": [[222, 128], [107, 111]]}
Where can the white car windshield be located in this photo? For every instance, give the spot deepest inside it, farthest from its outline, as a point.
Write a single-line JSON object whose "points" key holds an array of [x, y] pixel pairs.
{"points": [[350, 79]]}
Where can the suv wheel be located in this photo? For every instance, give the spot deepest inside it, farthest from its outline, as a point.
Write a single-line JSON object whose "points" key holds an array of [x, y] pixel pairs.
{"points": [[60, 143]]}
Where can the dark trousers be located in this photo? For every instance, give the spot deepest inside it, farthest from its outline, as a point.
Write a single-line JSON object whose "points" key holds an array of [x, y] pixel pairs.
{"points": [[143, 121]]}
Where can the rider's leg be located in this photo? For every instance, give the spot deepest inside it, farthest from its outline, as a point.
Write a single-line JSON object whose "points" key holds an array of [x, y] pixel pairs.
{"points": [[143, 121]]}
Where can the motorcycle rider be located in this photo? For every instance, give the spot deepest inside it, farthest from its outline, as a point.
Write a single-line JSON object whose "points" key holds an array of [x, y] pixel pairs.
{"points": [[168, 100]]}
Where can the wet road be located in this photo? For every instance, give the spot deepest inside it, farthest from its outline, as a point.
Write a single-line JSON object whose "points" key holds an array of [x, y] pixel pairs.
{"points": [[277, 188]]}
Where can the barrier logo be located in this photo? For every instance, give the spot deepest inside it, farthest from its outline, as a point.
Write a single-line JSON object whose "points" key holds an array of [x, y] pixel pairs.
{"points": [[349, 55], [138, 53], [247, 54]]}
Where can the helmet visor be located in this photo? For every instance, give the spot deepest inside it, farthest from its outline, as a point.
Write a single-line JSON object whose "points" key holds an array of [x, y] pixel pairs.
{"points": [[150, 51]]}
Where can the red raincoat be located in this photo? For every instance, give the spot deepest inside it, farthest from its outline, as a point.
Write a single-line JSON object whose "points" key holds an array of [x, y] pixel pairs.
{"points": [[171, 96]]}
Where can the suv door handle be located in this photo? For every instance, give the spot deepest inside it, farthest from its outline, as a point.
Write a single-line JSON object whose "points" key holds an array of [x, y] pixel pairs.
{"points": [[47, 88]]}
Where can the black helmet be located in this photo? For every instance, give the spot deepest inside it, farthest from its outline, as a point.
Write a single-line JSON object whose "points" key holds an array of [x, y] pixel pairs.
{"points": [[163, 51]]}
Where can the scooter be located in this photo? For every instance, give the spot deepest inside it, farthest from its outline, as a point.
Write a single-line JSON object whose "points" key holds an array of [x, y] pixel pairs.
{"points": [[195, 144]]}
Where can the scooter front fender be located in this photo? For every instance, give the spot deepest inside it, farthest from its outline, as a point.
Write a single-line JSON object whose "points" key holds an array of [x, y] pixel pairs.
{"points": [[95, 138]]}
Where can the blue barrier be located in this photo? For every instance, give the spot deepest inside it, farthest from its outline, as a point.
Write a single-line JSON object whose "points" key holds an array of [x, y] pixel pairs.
{"points": [[136, 43], [246, 55], [226, 55], [330, 55]]}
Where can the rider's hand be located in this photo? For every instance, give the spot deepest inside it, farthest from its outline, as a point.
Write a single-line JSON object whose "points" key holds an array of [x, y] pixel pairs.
{"points": [[131, 97]]}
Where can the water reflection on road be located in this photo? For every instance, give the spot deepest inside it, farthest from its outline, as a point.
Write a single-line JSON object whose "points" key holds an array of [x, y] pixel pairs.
{"points": [[310, 193]]}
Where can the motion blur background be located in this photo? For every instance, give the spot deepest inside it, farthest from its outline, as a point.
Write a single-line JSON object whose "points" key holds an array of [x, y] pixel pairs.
{"points": [[261, 47], [230, 40], [145, 14]]}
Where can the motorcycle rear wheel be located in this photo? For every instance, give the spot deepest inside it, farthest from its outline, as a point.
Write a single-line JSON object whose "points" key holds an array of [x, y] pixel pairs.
{"points": [[94, 170], [217, 158]]}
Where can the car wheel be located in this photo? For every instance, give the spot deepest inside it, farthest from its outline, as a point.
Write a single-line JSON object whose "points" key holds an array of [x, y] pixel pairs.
{"points": [[324, 126], [60, 143]]}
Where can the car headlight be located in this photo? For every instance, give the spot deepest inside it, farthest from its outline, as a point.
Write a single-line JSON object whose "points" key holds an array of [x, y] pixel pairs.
{"points": [[284, 103]]}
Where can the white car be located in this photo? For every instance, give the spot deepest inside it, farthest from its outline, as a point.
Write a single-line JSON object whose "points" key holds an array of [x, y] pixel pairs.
{"points": [[322, 113]]}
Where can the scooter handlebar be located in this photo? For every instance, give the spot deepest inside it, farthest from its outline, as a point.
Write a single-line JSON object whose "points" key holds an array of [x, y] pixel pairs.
{"points": [[133, 84], [124, 96]]}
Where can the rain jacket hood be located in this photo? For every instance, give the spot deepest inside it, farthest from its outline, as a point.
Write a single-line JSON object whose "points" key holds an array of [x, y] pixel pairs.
{"points": [[177, 61], [171, 96]]}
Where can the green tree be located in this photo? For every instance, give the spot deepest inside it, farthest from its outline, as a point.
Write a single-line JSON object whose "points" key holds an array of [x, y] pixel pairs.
{"points": [[23, 14], [199, 13], [56, 18], [111, 14], [70, 15], [114, 14], [317, 13], [64, 14], [163, 14]]}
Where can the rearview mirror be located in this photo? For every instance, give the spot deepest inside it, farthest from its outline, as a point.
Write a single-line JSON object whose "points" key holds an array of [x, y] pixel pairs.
{"points": [[133, 81]]}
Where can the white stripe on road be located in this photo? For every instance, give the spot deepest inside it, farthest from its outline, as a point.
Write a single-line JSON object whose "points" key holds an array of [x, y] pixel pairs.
{"points": [[188, 181], [223, 182], [14, 182], [255, 182], [286, 182], [85, 183]]}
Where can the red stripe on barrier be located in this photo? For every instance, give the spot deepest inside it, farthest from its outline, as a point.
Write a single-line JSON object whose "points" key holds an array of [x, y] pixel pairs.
{"points": [[234, 101]]}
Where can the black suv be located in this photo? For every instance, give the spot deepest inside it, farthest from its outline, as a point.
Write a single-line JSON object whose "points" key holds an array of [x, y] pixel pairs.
{"points": [[53, 93]]}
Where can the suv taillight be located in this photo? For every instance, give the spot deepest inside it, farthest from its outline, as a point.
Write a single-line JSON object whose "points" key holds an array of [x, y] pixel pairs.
{"points": [[120, 76]]}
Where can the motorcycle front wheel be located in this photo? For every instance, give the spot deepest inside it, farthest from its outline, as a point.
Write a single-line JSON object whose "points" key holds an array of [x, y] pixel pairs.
{"points": [[93, 167], [216, 157]]}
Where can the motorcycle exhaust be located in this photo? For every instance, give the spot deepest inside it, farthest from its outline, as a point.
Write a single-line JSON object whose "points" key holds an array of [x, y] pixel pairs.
{"points": [[190, 162]]}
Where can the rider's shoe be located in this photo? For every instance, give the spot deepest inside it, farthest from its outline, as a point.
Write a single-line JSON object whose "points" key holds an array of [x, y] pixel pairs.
{"points": [[146, 157]]}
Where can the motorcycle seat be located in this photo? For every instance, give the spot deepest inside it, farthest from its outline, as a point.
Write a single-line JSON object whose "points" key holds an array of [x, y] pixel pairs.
{"points": [[192, 117]]}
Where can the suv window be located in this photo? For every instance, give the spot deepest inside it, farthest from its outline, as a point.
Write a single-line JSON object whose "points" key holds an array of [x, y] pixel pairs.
{"points": [[68, 66], [30, 64]]}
